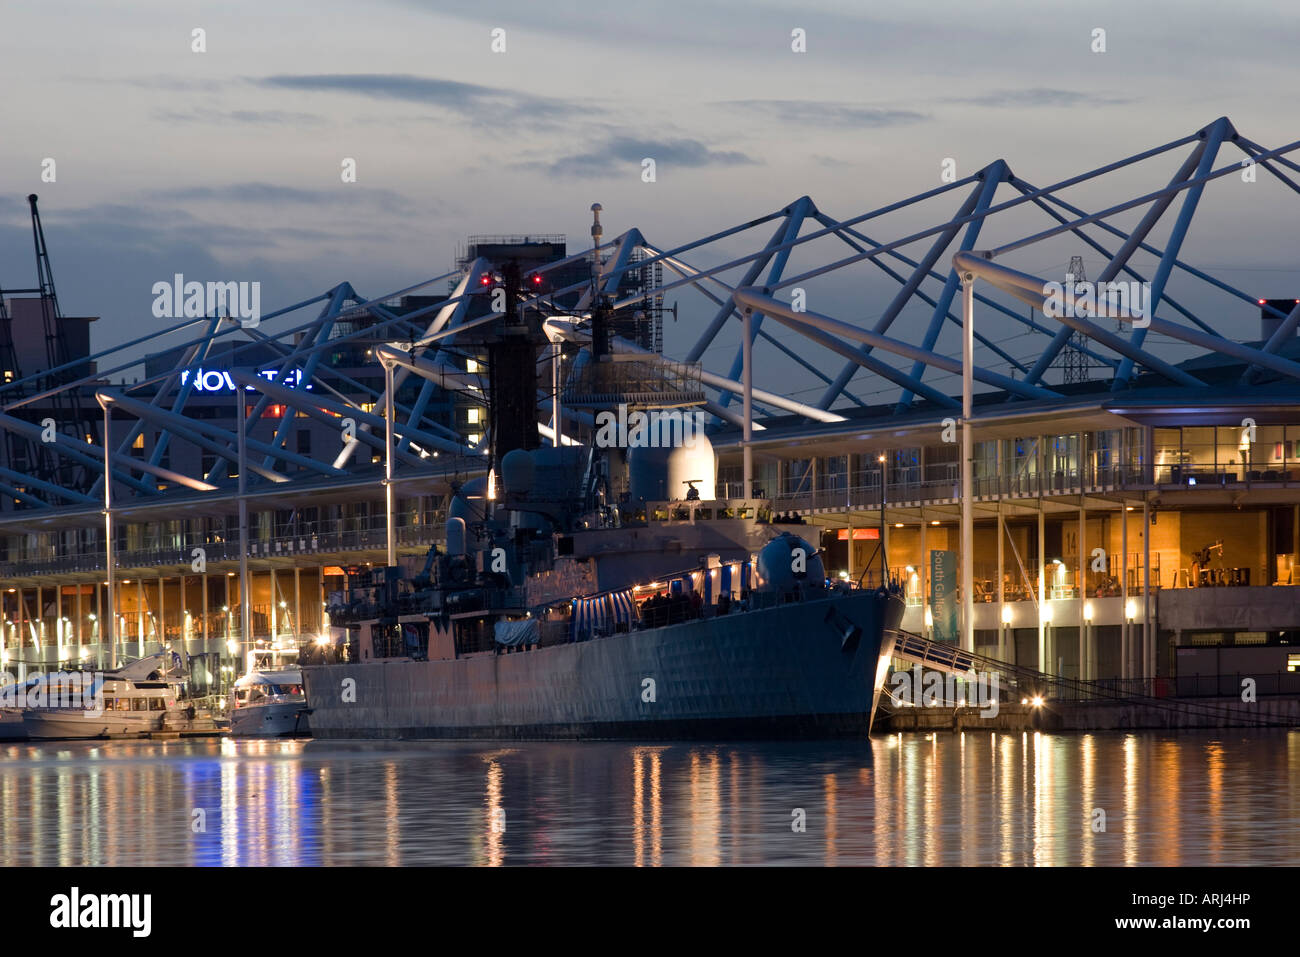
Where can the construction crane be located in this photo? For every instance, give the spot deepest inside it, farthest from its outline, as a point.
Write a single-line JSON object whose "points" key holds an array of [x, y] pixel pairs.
{"points": [[68, 407], [26, 455]]}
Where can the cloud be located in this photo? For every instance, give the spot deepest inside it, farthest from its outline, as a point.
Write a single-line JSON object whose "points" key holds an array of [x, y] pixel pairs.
{"points": [[828, 113], [1041, 96], [166, 82], [621, 151], [206, 115], [466, 99], [273, 195]]}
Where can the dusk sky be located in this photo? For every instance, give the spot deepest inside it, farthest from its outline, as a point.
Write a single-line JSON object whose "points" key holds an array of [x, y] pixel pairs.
{"points": [[225, 164]]}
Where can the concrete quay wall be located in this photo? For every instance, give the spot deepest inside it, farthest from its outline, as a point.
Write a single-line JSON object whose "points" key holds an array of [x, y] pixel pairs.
{"points": [[1169, 713]]}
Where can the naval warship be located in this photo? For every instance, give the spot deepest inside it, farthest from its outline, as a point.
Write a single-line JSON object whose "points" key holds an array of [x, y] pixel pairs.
{"points": [[600, 588]]}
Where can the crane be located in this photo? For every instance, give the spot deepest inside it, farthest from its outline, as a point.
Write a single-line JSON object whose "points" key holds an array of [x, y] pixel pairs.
{"points": [[68, 407]]}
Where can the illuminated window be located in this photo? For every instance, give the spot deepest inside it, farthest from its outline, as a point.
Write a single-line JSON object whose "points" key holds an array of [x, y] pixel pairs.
{"points": [[471, 365], [139, 441], [472, 416], [367, 407], [9, 375], [1293, 662], [475, 438]]}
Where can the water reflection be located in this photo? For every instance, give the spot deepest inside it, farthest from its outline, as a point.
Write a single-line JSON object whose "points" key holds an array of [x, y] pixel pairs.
{"points": [[1227, 797]]}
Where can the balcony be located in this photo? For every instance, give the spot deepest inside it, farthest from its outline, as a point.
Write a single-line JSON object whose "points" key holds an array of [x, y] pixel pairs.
{"points": [[314, 539]]}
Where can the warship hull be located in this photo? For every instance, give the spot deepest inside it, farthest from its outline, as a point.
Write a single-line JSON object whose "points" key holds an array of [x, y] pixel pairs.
{"points": [[808, 669]]}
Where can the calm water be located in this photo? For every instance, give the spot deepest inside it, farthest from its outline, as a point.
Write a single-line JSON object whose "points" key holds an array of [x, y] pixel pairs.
{"points": [[1193, 798]]}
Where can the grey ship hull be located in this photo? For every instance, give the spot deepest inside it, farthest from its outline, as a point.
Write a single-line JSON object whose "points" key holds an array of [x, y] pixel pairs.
{"points": [[788, 671]]}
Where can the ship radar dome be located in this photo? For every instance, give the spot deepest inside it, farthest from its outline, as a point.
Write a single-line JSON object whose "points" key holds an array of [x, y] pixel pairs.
{"points": [[517, 470], [778, 563]]}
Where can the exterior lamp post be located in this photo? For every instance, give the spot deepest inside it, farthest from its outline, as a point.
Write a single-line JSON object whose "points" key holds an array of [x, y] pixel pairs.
{"points": [[110, 561]]}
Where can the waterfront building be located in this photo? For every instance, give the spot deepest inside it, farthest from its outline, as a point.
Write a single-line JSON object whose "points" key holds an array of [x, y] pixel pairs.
{"points": [[1136, 523]]}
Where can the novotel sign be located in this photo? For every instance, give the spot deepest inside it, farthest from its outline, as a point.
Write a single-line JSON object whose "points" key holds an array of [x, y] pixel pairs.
{"points": [[218, 380]]}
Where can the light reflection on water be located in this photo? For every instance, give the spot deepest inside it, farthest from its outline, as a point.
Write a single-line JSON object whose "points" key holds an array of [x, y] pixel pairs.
{"points": [[1216, 798]]}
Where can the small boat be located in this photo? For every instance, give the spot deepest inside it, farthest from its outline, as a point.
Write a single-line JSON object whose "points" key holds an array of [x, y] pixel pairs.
{"points": [[135, 699], [13, 697], [268, 701]]}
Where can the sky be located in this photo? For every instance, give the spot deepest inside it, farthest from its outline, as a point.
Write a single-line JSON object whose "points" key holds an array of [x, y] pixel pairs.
{"points": [[226, 164]]}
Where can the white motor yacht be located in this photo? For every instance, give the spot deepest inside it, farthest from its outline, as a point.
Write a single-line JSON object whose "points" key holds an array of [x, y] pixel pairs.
{"points": [[137, 698], [268, 700]]}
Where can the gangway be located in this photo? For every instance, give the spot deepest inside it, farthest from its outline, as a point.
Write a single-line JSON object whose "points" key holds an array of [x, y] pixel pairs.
{"points": [[1019, 681]]}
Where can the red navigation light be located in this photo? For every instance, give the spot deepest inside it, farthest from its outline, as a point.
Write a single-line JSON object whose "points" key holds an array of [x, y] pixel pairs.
{"points": [[537, 280], [1261, 302], [487, 281]]}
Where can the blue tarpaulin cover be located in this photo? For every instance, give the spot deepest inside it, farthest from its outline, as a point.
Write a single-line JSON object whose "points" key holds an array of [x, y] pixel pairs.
{"points": [[512, 633]]}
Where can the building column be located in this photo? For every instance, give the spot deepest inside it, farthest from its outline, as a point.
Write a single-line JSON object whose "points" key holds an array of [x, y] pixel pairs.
{"points": [[139, 617], [99, 629], [1295, 545], [40, 627], [1002, 588], [160, 622], [925, 576], [1123, 590], [58, 626], [1043, 659], [77, 631], [1081, 593], [21, 620], [884, 551], [849, 550], [1148, 636], [205, 606]]}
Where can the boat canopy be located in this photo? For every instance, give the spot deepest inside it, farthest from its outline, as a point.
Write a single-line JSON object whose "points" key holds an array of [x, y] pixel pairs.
{"points": [[269, 678], [600, 612]]}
